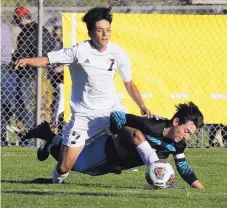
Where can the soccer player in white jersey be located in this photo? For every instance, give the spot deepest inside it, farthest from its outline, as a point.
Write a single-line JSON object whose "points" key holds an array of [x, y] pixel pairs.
{"points": [[92, 65]]}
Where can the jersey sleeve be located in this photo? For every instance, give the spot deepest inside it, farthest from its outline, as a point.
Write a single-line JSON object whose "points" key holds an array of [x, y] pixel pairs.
{"points": [[63, 56], [183, 167], [124, 66], [118, 119], [148, 126]]}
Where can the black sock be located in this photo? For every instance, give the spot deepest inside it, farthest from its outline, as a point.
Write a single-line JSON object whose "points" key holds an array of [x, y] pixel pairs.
{"points": [[55, 151]]}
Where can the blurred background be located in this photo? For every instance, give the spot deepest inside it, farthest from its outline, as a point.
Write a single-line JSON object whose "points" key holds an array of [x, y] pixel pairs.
{"points": [[34, 95]]}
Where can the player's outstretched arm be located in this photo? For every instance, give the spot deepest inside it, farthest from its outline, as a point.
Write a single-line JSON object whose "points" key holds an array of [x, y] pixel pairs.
{"points": [[34, 62], [197, 184], [64, 56], [186, 172], [135, 95]]}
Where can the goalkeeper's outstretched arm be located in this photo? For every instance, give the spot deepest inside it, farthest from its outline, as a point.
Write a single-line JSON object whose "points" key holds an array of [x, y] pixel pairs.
{"points": [[187, 173]]}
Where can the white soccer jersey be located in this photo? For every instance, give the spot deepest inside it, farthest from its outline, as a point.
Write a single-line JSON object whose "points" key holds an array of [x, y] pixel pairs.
{"points": [[92, 74]]}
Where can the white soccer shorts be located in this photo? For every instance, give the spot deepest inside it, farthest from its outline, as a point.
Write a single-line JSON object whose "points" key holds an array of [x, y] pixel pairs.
{"points": [[81, 128]]}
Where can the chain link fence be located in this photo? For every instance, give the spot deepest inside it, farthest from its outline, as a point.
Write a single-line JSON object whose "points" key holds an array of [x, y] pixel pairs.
{"points": [[19, 88]]}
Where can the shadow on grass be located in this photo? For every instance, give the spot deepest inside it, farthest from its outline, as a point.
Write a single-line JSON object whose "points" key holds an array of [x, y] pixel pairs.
{"points": [[49, 181], [57, 193], [85, 193], [35, 181]]}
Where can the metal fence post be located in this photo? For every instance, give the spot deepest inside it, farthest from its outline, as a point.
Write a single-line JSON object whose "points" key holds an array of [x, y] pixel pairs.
{"points": [[39, 70]]}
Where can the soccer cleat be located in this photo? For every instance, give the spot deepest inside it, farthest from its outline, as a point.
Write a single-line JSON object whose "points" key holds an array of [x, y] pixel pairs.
{"points": [[42, 131], [42, 152]]}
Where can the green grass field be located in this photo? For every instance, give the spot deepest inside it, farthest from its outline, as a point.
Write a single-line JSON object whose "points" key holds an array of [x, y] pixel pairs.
{"points": [[20, 168]]}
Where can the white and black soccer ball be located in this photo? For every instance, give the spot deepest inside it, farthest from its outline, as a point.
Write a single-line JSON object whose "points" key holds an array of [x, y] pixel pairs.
{"points": [[160, 174]]}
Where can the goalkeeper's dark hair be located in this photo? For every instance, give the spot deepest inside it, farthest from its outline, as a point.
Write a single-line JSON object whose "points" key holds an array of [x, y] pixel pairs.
{"points": [[97, 14], [189, 112]]}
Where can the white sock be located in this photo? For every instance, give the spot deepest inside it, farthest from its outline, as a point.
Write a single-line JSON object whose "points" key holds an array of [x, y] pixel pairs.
{"points": [[59, 178], [147, 153], [57, 139]]}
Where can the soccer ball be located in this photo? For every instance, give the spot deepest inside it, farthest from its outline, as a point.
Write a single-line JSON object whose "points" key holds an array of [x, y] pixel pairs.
{"points": [[160, 174]]}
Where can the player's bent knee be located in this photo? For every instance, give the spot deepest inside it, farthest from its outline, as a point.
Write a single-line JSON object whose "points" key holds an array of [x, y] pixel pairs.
{"points": [[138, 137], [131, 136]]}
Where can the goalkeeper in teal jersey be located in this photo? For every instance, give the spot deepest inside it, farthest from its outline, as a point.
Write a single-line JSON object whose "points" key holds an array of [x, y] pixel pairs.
{"points": [[121, 151]]}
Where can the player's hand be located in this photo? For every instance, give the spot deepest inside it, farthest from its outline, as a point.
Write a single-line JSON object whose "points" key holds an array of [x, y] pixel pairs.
{"points": [[21, 63], [145, 112]]}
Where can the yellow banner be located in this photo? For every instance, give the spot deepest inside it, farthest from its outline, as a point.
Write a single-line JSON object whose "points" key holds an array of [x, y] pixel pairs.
{"points": [[175, 59]]}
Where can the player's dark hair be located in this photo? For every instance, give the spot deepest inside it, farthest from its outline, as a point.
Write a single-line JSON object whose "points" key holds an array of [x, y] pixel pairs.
{"points": [[97, 14], [189, 112]]}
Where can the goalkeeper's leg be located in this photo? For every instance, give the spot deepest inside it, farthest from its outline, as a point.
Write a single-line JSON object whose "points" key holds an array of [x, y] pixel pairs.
{"points": [[134, 140]]}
